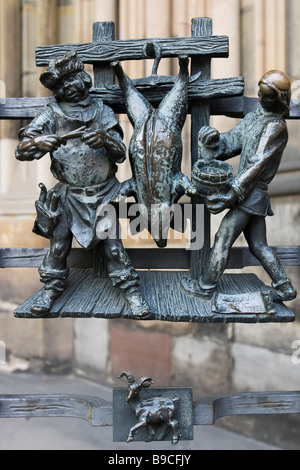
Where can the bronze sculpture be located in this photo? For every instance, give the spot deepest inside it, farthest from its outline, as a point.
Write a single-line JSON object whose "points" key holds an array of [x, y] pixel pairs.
{"points": [[155, 150], [151, 411], [49, 214], [157, 107], [260, 139], [85, 142]]}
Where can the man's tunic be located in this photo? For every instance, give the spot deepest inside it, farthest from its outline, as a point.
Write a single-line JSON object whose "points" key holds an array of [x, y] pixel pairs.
{"points": [[86, 175]]}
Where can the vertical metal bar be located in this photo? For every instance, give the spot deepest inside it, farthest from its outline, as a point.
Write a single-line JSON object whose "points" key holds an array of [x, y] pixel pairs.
{"points": [[103, 75], [200, 115]]}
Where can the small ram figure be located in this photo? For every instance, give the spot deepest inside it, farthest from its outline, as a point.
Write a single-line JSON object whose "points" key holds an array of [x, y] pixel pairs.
{"points": [[156, 410]]}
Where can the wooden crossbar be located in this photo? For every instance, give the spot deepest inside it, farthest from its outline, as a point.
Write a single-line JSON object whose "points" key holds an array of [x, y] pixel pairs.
{"points": [[107, 51], [27, 108], [235, 106], [143, 258]]}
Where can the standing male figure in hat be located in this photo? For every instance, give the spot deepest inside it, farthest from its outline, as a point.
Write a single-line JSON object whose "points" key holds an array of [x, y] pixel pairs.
{"points": [[260, 139], [85, 144]]}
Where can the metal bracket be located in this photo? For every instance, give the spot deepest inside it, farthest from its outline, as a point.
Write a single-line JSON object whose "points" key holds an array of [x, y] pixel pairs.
{"points": [[96, 411]]}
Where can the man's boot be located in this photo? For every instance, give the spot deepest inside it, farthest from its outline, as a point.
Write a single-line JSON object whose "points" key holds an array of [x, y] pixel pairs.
{"points": [[197, 288], [138, 306], [44, 303], [54, 287], [127, 281], [283, 290]]}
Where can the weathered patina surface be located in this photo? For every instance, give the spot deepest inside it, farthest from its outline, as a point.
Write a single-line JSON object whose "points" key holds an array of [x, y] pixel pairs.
{"points": [[85, 144], [155, 150], [95, 297], [158, 411], [260, 139]]}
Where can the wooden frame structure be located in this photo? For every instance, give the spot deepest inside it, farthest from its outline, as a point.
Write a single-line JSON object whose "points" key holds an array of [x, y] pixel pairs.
{"points": [[206, 97]]}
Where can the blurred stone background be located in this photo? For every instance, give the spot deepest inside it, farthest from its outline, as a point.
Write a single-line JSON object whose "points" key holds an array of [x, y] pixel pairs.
{"points": [[213, 359]]}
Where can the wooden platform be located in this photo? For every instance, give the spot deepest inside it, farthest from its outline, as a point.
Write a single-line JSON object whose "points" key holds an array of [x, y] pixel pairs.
{"points": [[87, 296]]}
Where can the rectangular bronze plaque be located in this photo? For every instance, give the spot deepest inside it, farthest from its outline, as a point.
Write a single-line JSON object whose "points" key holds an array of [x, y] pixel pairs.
{"points": [[124, 418]]}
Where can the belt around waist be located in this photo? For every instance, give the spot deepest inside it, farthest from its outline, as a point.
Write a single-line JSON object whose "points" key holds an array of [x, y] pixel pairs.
{"points": [[93, 190]]}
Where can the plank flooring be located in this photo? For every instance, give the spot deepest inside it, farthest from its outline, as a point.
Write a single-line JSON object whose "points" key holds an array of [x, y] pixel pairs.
{"points": [[87, 296]]}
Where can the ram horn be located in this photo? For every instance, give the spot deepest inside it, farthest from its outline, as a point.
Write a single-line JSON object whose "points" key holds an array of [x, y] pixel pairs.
{"points": [[141, 382], [128, 375]]}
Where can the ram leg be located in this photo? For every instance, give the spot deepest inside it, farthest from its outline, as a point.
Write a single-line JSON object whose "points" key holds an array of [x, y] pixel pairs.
{"points": [[176, 434], [175, 104], [135, 429], [137, 106]]}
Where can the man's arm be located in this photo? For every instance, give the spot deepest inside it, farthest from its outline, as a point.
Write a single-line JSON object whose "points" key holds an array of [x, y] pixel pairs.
{"points": [[213, 145], [38, 138], [109, 134], [111, 140], [115, 146], [36, 147], [272, 142]]}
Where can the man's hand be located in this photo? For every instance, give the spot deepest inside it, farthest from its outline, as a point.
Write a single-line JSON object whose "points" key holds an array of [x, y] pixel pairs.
{"points": [[37, 147], [95, 139], [48, 212], [217, 203], [48, 143], [49, 200], [99, 138], [209, 136]]}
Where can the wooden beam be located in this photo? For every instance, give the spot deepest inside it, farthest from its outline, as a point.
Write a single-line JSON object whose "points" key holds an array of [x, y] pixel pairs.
{"points": [[143, 258], [200, 116], [108, 51], [235, 106], [23, 108], [47, 31], [104, 76], [103, 73], [16, 108], [33, 257], [204, 89]]}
